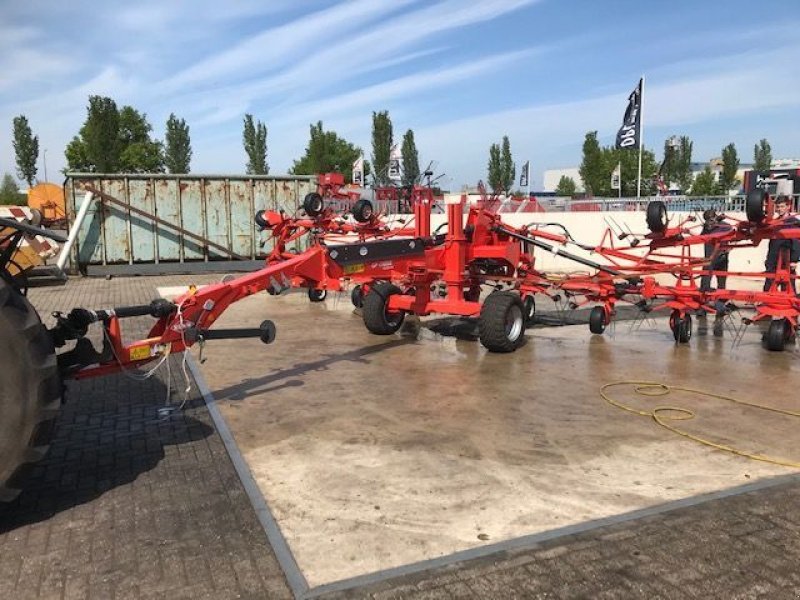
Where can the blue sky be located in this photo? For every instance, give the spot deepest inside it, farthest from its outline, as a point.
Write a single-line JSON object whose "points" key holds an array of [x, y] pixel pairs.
{"points": [[461, 74]]}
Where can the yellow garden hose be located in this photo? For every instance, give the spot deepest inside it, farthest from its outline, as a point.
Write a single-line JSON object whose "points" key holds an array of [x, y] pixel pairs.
{"points": [[660, 416]]}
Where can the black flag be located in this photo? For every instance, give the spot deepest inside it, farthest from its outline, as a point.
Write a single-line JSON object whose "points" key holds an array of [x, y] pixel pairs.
{"points": [[629, 135], [523, 176]]}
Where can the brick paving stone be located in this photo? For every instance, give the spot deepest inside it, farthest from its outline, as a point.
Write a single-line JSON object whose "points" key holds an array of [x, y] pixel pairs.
{"points": [[131, 505]]}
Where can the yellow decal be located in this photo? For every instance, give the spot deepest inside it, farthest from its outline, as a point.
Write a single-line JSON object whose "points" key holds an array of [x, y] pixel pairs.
{"points": [[139, 352], [350, 269]]}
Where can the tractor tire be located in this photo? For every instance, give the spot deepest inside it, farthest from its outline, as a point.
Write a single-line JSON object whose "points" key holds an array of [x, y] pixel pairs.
{"points": [[362, 210], [313, 204], [779, 332], [30, 389], [376, 318], [502, 323], [529, 306], [656, 216], [682, 332], [317, 295], [357, 296], [754, 206], [597, 320]]}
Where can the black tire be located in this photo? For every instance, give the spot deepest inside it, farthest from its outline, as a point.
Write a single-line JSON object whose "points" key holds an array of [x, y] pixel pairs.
{"points": [[502, 322], [683, 329], [754, 206], [313, 204], [529, 308], [30, 393], [597, 320], [779, 332], [656, 216], [376, 318], [317, 295], [362, 210], [260, 220], [357, 296]]}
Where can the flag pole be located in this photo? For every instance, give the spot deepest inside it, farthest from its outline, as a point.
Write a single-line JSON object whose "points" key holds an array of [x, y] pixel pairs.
{"points": [[619, 188], [641, 142]]}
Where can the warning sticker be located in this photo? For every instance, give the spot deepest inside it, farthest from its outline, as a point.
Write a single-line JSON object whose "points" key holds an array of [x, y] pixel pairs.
{"points": [[350, 269], [139, 352]]}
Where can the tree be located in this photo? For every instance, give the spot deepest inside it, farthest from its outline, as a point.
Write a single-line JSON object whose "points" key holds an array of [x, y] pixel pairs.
{"points": [[495, 169], [410, 159], [178, 151], [628, 158], [382, 138], [138, 152], [96, 147], [592, 169], [9, 191], [762, 157], [730, 164], [113, 140], [255, 145], [327, 152], [704, 184], [507, 169], [26, 148], [683, 164], [566, 186]]}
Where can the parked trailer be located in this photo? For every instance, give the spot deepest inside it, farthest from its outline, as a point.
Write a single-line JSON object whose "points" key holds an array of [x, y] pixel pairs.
{"points": [[157, 223]]}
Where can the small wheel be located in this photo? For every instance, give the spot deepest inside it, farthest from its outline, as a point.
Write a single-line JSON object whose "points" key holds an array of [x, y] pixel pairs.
{"points": [[362, 210], [656, 216], [779, 332], [357, 297], [683, 329], [529, 308], [673, 320], [377, 318], [597, 320], [502, 322], [313, 204], [754, 206], [317, 295], [260, 220]]}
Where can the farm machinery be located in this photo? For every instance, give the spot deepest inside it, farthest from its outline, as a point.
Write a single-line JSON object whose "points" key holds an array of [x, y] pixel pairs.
{"points": [[393, 271]]}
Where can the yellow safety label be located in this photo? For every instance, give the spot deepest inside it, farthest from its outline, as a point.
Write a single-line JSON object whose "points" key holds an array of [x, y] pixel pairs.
{"points": [[350, 269], [139, 352]]}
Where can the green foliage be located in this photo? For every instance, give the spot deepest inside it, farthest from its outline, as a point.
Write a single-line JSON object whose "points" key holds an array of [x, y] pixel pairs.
{"points": [[26, 148], [566, 186], [508, 170], [382, 139], [704, 184], [494, 176], [328, 153], [254, 138], [113, 141], [592, 169], [730, 164], [9, 192], [762, 157], [178, 151], [629, 159], [410, 159], [683, 164]]}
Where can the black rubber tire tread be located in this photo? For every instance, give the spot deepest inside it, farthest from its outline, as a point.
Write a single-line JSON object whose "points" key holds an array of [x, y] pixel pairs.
{"points": [[373, 310], [313, 204], [597, 320], [362, 210], [357, 296], [316, 295], [754, 206], [529, 307], [777, 335], [492, 323], [656, 216], [683, 329], [30, 394]]}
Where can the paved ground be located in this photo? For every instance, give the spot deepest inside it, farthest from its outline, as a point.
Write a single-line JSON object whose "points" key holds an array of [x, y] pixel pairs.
{"points": [[132, 505]]}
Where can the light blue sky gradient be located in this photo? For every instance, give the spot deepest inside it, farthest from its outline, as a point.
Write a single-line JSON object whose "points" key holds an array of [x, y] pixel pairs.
{"points": [[461, 74]]}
